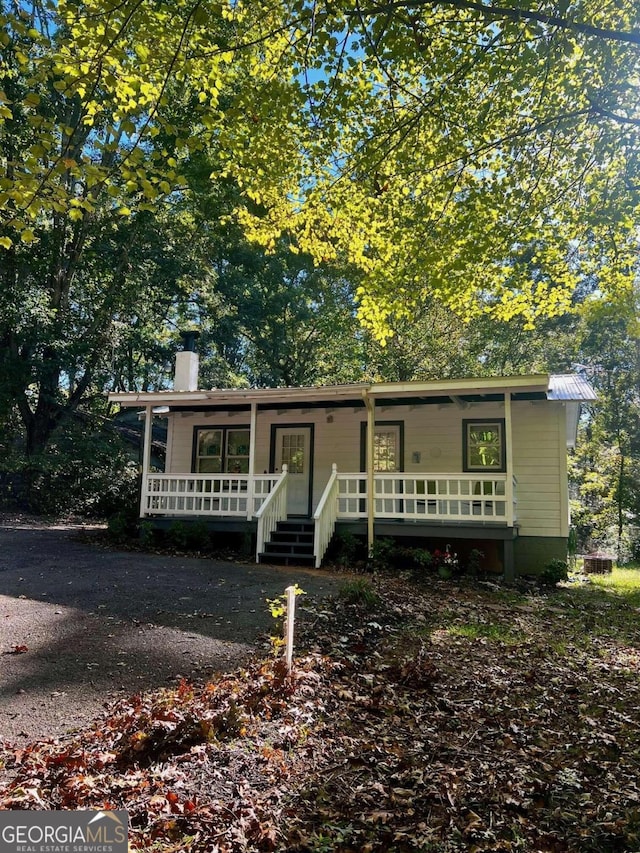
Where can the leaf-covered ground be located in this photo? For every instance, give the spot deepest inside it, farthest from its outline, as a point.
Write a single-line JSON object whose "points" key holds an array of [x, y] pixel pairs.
{"points": [[435, 717]]}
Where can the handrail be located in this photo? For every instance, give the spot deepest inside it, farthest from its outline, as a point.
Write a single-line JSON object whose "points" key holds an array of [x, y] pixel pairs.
{"points": [[273, 510], [324, 518]]}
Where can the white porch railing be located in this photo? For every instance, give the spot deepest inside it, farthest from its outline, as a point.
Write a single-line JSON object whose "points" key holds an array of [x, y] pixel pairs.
{"points": [[273, 510], [206, 494], [324, 518], [432, 497]]}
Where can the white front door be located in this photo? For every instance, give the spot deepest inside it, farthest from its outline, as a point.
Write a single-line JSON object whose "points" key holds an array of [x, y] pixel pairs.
{"points": [[293, 449]]}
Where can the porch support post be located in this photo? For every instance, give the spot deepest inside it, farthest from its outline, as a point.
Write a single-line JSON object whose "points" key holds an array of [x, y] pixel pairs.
{"points": [[146, 458], [509, 568], [371, 426], [252, 459]]}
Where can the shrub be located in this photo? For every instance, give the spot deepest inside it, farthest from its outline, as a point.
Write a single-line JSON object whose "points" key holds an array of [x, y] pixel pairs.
{"points": [[417, 560], [121, 526], [146, 534], [188, 537], [554, 572], [474, 562], [383, 555], [345, 547], [359, 592], [85, 469]]}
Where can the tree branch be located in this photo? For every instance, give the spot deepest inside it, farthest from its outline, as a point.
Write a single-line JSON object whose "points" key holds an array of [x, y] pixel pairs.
{"points": [[496, 12]]}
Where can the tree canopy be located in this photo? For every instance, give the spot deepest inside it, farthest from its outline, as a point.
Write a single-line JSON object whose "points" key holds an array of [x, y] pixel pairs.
{"points": [[484, 154]]}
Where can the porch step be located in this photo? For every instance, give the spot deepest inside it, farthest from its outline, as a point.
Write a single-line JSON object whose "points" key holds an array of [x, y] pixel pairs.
{"points": [[303, 537], [295, 525], [291, 544]]}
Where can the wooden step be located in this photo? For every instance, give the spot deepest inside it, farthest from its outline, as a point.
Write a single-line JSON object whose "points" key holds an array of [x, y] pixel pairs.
{"points": [[291, 544], [305, 537], [286, 559], [286, 547], [294, 526]]}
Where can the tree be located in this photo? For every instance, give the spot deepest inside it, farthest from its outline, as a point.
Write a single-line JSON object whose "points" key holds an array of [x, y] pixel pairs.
{"points": [[606, 469], [454, 139], [482, 157], [450, 144], [96, 114]]}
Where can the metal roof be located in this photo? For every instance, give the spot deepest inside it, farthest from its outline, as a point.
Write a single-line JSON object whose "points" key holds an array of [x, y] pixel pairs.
{"points": [[570, 386], [566, 387]]}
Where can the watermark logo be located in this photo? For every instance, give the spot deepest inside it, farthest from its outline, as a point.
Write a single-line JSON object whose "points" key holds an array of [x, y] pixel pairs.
{"points": [[64, 832]]}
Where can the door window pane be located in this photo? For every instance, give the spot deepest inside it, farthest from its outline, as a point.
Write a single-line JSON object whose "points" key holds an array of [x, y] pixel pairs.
{"points": [[293, 452]]}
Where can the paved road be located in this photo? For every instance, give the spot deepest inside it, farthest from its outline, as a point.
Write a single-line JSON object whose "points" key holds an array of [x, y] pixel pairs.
{"points": [[81, 625]]}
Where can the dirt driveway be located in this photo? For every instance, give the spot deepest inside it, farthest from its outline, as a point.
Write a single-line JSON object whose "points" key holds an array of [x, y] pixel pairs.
{"points": [[81, 625]]}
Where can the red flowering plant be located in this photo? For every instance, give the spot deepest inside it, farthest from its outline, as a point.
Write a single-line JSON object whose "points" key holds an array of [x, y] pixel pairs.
{"points": [[445, 562]]}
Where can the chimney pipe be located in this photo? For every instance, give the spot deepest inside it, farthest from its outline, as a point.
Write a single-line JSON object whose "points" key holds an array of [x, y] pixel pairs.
{"points": [[187, 363], [189, 339]]}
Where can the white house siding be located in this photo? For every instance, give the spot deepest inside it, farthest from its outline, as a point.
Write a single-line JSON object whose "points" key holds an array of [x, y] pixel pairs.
{"points": [[434, 432], [540, 464]]}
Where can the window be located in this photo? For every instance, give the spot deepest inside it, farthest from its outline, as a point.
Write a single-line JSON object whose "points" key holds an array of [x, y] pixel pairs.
{"points": [[484, 448], [293, 452], [222, 450], [388, 446], [385, 449], [237, 459]]}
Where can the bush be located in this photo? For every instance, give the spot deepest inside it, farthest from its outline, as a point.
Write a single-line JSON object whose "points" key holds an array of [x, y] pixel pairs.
{"points": [[359, 592], [122, 526], [345, 547], [84, 470], [383, 555], [146, 534], [416, 560], [189, 537], [474, 562], [554, 572]]}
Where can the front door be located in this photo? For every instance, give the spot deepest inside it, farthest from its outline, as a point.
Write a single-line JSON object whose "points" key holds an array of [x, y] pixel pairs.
{"points": [[293, 449]]}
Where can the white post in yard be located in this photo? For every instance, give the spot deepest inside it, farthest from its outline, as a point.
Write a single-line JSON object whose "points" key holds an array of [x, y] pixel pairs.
{"points": [[289, 624]]}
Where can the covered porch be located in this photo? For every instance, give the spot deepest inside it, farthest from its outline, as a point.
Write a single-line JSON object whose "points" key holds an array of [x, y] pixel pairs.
{"points": [[398, 498]]}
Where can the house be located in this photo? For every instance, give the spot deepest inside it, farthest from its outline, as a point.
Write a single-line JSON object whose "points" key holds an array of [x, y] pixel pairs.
{"points": [[472, 463]]}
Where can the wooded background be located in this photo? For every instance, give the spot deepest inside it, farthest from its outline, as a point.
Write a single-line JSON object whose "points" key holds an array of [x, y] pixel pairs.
{"points": [[329, 194]]}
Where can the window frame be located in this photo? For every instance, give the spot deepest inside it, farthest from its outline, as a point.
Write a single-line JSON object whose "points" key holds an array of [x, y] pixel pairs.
{"points": [[492, 423], [382, 425], [224, 430]]}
